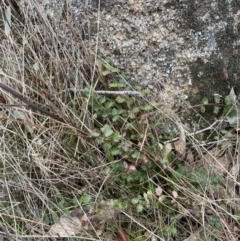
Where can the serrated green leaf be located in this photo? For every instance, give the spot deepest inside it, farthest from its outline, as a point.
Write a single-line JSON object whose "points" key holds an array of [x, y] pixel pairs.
{"points": [[107, 146], [85, 199], [216, 110], [95, 134], [119, 205], [228, 100], [147, 108], [170, 230], [203, 109], [205, 100], [134, 201], [116, 136], [75, 201], [115, 151], [107, 131], [102, 99], [224, 131], [174, 231], [120, 111], [139, 208], [97, 107], [217, 99], [120, 99], [115, 118], [226, 110], [114, 111], [232, 113], [229, 135], [61, 204], [135, 154], [109, 104]]}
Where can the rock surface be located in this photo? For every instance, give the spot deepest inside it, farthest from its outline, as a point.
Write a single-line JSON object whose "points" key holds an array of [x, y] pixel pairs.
{"points": [[178, 48]]}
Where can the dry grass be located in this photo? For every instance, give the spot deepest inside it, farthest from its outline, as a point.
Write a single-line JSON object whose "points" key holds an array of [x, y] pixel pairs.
{"points": [[47, 165]]}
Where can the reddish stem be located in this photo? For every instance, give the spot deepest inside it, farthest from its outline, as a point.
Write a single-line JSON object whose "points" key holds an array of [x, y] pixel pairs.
{"points": [[122, 236]]}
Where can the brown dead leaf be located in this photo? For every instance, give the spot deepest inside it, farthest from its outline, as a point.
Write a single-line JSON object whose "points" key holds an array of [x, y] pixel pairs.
{"points": [[82, 221], [143, 119], [167, 148], [146, 200], [153, 238], [184, 212], [150, 195], [109, 212], [231, 180], [67, 226], [145, 159], [193, 237], [222, 163], [175, 194], [162, 198], [218, 161], [189, 157], [235, 167], [180, 145], [129, 167], [158, 191], [70, 226], [235, 118]]}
